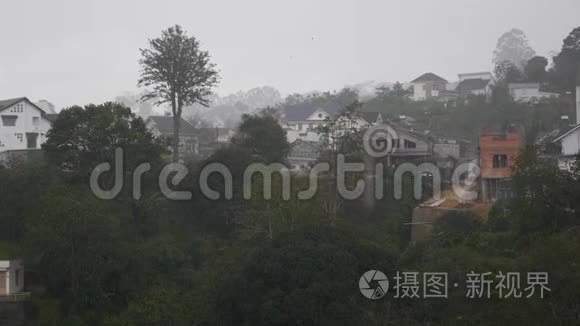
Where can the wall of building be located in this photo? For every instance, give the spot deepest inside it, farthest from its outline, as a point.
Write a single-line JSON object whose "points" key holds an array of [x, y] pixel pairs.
{"points": [[293, 135], [476, 75], [447, 150], [498, 143], [528, 92], [12, 283], [16, 282], [14, 137], [577, 104], [571, 143]]}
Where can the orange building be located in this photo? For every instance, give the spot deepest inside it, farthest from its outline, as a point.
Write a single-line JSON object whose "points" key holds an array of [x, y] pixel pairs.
{"points": [[498, 152]]}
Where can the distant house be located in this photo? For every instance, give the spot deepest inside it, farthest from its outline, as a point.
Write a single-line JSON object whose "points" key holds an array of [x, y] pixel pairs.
{"points": [[428, 86], [497, 158], [301, 121], [163, 126], [414, 144], [194, 142], [479, 84], [23, 128], [563, 144], [529, 92], [11, 277]]}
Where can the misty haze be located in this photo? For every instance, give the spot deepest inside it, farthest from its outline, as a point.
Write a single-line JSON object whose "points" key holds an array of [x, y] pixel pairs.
{"points": [[289, 163]]}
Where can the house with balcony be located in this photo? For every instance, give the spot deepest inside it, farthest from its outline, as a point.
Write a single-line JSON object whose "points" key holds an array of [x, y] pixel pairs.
{"points": [[23, 127]]}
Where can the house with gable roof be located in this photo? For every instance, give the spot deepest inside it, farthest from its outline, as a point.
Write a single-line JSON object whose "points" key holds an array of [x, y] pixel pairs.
{"points": [[428, 86], [23, 126], [302, 120]]}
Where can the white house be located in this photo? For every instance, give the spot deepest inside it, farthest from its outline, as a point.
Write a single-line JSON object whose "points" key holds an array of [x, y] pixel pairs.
{"points": [[528, 92], [475, 75], [477, 83], [24, 125], [428, 86], [302, 120], [11, 277], [568, 140]]}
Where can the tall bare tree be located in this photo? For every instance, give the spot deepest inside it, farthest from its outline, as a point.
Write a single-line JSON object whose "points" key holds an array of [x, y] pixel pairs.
{"points": [[174, 70]]}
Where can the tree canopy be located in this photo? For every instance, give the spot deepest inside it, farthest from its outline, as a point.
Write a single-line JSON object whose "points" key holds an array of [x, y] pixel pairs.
{"points": [[174, 70]]}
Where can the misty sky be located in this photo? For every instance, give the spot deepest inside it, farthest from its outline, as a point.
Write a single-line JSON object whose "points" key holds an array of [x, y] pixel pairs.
{"points": [[77, 52]]}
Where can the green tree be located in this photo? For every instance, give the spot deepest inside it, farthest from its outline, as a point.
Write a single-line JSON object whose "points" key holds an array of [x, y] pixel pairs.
{"points": [[507, 72], [83, 137], [567, 63], [263, 137], [74, 247], [535, 69], [513, 46], [178, 72]]}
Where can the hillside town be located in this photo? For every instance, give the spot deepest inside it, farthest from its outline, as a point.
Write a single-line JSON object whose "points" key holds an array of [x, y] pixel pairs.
{"points": [[173, 205]]}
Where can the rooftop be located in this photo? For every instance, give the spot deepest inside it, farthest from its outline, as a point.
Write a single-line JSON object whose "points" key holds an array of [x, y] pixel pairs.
{"points": [[428, 77], [300, 112], [472, 84], [164, 125], [4, 104]]}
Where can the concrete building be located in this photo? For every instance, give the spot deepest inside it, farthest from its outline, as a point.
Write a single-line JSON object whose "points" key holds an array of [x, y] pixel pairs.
{"points": [[11, 277], [428, 86], [497, 158], [24, 125], [479, 84], [302, 121], [529, 92]]}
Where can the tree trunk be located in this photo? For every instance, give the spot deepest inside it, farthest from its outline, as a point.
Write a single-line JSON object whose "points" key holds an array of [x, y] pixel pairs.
{"points": [[176, 127]]}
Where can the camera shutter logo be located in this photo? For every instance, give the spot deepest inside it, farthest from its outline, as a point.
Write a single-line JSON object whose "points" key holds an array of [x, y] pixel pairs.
{"points": [[379, 281]]}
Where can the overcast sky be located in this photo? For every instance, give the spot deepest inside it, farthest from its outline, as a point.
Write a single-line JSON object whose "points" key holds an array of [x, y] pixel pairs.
{"points": [[79, 51]]}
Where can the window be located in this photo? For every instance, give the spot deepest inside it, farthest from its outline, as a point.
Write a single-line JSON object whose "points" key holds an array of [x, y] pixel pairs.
{"points": [[36, 121], [19, 136], [499, 161], [18, 108], [1, 144], [31, 138], [409, 144], [395, 143], [9, 120]]}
